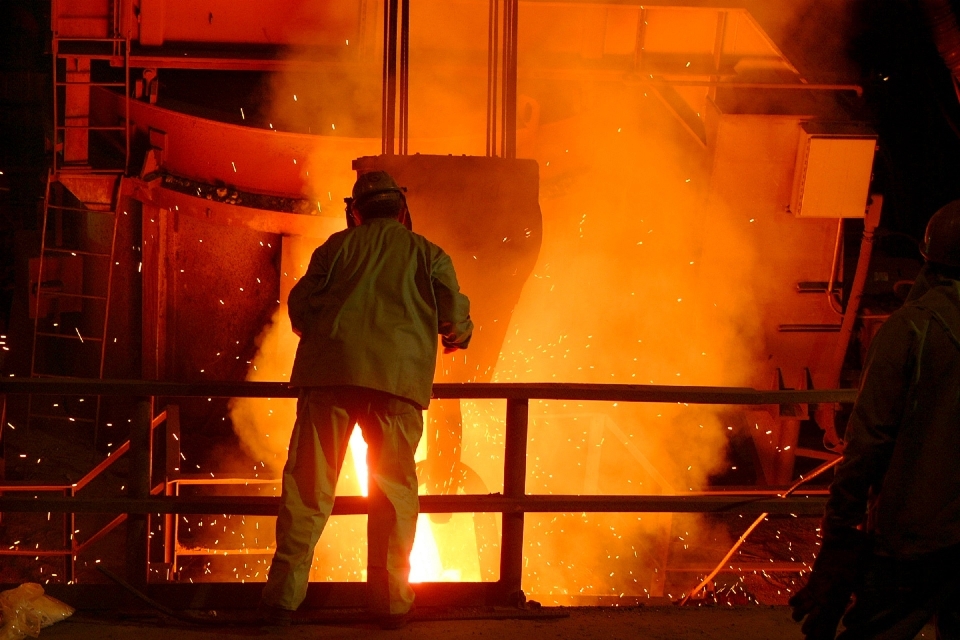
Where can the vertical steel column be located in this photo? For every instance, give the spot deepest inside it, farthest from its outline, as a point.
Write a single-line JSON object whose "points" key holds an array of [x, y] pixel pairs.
{"points": [[389, 105], [172, 473], [718, 52], [510, 20], [69, 526], [55, 55], [126, 111], [404, 106], [641, 40], [3, 422], [514, 486], [493, 60], [141, 458]]}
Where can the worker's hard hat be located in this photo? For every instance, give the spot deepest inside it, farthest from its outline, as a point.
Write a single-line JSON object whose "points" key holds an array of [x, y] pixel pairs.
{"points": [[375, 186], [941, 242]]}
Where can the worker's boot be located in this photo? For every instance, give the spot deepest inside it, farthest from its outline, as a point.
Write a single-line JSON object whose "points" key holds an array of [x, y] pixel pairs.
{"points": [[271, 616], [397, 620]]}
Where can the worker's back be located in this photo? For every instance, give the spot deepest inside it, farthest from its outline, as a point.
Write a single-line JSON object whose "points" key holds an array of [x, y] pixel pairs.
{"points": [[918, 510], [369, 309]]}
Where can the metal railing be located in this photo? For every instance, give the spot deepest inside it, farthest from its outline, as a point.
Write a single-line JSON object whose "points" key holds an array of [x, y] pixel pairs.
{"points": [[141, 497], [72, 545], [116, 50]]}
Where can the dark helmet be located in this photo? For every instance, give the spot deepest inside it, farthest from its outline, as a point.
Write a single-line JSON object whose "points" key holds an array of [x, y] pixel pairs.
{"points": [[376, 194], [375, 186], [941, 242]]}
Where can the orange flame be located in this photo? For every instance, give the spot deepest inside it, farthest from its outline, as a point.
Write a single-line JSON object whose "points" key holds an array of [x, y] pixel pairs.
{"points": [[425, 563]]}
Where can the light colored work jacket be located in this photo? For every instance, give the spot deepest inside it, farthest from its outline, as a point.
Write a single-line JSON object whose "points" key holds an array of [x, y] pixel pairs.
{"points": [[369, 310]]}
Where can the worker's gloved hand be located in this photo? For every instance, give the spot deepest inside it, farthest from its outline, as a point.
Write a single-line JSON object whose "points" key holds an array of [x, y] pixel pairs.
{"points": [[824, 599]]}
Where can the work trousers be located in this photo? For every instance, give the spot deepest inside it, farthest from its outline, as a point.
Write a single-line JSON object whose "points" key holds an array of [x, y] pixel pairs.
{"points": [[391, 428], [900, 596]]}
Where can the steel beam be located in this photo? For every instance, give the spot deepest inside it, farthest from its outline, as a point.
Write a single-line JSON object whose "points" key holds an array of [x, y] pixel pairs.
{"points": [[810, 503], [472, 390]]}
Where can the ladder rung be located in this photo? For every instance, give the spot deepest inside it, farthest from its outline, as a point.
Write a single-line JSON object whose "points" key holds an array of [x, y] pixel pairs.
{"points": [[79, 168], [76, 252], [91, 84], [87, 54], [89, 128], [63, 294], [68, 336], [58, 376], [81, 210], [808, 328], [44, 416], [82, 39]]}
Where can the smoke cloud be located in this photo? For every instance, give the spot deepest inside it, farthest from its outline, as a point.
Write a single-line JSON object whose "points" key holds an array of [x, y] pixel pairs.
{"points": [[643, 278]]}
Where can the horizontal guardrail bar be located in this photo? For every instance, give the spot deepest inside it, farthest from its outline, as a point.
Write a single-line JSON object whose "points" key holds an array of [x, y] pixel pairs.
{"points": [[471, 390], [810, 504]]}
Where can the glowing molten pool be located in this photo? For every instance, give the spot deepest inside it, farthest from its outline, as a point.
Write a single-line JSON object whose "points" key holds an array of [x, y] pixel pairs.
{"points": [[425, 564]]}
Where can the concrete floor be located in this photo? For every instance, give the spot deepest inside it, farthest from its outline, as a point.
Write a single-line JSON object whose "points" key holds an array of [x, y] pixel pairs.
{"points": [[611, 623]]}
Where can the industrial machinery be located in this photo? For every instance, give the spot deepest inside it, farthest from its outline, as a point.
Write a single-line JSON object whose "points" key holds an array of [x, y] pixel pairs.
{"points": [[650, 193]]}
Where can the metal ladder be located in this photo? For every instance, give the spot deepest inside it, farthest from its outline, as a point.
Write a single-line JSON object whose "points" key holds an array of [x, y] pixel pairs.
{"points": [[71, 282], [70, 288]]}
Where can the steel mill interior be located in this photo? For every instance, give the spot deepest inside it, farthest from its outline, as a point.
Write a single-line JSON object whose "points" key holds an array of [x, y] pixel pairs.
{"points": [[680, 224]]}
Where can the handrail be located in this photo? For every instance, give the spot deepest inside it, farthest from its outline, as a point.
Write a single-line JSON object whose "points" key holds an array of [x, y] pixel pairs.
{"points": [[75, 547], [104, 464], [141, 500], [470, 390], [803, 504]]}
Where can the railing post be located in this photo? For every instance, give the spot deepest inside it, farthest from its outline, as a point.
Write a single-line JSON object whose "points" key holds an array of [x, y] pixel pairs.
{"points": [[138, 487], [172, 473], [69, 525], [3, 423], [514, 486]]}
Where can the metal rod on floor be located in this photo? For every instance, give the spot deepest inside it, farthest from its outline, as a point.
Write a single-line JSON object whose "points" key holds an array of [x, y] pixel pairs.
{"points": [[756, 523]]}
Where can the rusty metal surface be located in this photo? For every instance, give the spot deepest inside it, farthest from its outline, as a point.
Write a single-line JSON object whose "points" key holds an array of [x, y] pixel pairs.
{"points": [[226, 214], [288, 22], [260, 160]]}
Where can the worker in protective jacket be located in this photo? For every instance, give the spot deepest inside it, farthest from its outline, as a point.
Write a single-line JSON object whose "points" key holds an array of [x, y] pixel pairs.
{"points": [[368, 311], [891, 532]]}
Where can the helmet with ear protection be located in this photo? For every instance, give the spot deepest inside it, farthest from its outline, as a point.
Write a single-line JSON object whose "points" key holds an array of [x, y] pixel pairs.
{"points": [[372, 191]]}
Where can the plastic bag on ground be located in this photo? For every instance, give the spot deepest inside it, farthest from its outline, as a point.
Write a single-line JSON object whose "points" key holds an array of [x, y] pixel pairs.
{"points": [[26, 609]]}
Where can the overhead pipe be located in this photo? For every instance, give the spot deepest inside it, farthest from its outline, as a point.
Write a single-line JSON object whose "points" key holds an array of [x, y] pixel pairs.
{"points": [[831, 298]]}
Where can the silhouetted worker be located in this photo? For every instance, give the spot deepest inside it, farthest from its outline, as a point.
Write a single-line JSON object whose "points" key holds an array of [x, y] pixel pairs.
{"points": [[368, 312], [891, 532]]}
